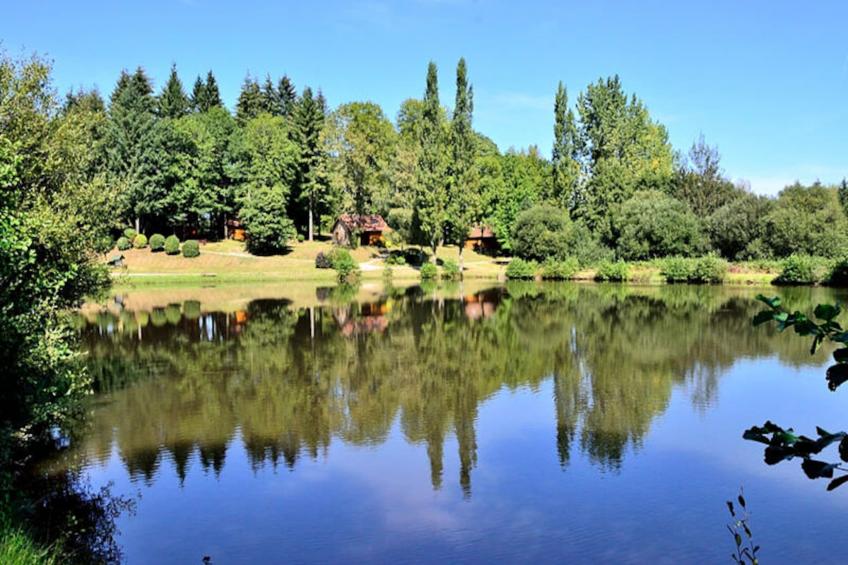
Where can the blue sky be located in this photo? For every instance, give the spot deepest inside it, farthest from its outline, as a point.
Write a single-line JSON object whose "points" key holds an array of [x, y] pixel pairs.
{"points": [[765, 80]]}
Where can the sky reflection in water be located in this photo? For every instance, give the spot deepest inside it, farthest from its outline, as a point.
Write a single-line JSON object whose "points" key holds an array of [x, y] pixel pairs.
{"points": [[523, 423]]}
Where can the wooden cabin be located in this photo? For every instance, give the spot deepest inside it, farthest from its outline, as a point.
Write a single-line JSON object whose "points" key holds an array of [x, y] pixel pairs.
{"points": [[235, 230], [369, 228], [481, 238]]}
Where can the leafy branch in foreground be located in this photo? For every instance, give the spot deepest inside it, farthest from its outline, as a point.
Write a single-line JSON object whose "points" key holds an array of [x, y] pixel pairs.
{"points": [[746, 551], [783, 444]]}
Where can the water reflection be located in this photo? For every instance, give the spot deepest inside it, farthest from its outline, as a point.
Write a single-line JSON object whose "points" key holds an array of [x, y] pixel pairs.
{"points": [[286, 380]]}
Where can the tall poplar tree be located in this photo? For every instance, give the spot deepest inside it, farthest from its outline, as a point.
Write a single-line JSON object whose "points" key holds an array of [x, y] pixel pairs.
{"points": [[173, 102], [463, 202], [430, 211], [566, 167], [311, 179]]}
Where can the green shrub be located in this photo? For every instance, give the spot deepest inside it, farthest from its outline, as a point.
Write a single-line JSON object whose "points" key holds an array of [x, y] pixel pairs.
{"points": [[709, 269], [541, 232], [396, 259], [347, 269], [450, 271], [429, 272], [564, 269], [677, 269], [520, 269], [191, 249], [800, 269], [265, 220], [610, 271], [653, 224], [123, 244], [157, 242], [323, 261], [838, 275], [130, 233], [140, 241], [104, 244], [300, 238], [172, 245]]}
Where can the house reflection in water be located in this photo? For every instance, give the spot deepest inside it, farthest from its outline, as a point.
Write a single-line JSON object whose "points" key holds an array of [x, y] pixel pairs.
{"points": [[483, 304], [370, 319]]}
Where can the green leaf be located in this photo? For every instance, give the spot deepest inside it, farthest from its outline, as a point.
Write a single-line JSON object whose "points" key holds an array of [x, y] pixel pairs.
{"points": [[836, 375], [815, 469], [837, 482], [773, 302], [763, 317], [826, 311]]}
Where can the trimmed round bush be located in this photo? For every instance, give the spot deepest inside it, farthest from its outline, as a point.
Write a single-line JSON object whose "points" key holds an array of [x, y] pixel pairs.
{"points": [[191, 249], [157, 242], [610, 271], [520, 269], [450, 270], [428, 272], [172, 245], [140, 241], [123, 244], [130, 233], [560, 270]]}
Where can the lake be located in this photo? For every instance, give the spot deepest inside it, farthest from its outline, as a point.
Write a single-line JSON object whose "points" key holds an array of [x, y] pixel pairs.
{"points": [[475, 423]]}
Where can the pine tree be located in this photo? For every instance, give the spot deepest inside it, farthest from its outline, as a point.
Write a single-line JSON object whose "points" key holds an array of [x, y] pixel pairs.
{"points": [[198, 95], [431, 200], [287, 95], [843, 194], [311, 181], [271, 102], [213, 94], [128, 142], [250, 102], [173, 102], [463, 202], [566, 168]]}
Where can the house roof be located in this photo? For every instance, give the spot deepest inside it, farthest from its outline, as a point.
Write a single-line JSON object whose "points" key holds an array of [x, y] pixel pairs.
{"points": [[364, 222], [479, 232]]}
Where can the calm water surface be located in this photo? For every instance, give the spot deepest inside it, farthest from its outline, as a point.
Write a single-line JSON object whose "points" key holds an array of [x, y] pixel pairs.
{"points": [[561, 423]]}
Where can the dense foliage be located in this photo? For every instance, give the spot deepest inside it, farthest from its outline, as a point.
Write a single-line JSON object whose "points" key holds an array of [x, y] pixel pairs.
{"points": [[286, 166], [54, 208]]}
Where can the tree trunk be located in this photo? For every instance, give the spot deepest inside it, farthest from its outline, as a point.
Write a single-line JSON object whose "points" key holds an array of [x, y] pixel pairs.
{"points": [[310, 221], [461, 264], [137, 224], [225, 227]]}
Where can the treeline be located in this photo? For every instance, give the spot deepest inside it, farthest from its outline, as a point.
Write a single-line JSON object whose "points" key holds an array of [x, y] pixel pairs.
{"points": [[284, 165]]}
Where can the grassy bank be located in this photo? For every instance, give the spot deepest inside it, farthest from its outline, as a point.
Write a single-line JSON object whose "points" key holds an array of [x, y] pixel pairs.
{"points": [[17, 548], [227, 262]]}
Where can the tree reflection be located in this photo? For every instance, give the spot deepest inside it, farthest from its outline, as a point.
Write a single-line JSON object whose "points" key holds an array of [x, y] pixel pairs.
{"points": [[288, 381]]}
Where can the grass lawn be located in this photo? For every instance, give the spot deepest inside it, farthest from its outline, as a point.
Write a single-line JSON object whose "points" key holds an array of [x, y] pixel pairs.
{"points": [[225, 261]]}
